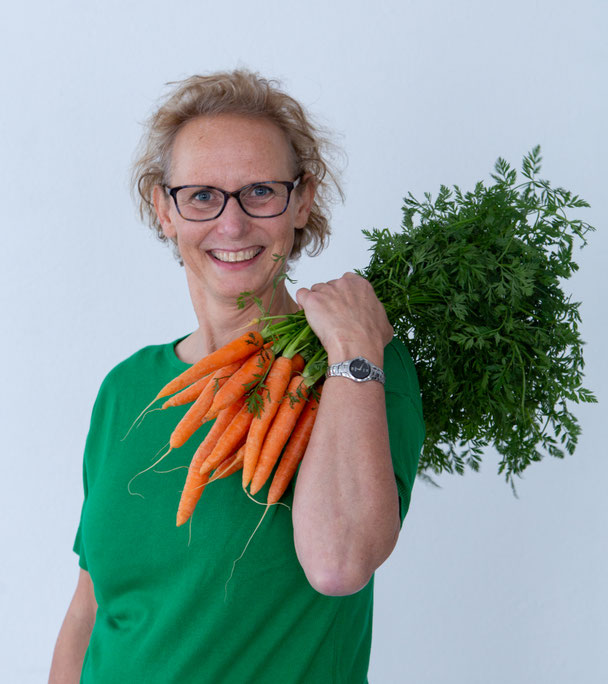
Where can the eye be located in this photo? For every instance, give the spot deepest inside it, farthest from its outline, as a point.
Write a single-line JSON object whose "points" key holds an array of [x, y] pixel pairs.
{"points": [[201, 195], [258, 192]]}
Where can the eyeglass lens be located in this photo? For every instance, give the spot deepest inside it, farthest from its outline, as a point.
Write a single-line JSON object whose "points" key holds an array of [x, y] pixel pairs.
{"points": [[259, 200]]}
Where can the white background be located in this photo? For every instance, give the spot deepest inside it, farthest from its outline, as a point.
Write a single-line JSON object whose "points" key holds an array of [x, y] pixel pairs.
{"points": [[482, 587]]}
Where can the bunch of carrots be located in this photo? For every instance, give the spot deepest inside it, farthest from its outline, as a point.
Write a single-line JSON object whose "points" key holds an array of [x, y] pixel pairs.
{"points": [[263, 396]]}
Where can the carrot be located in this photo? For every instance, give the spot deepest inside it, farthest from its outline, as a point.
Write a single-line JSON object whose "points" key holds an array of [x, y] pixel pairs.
{"points": [[298, 362], [230, 465], [236, 350], [276, 383], [195, 482], [291, 407], [187, 395], [294, 451], [251, 372], [193, 489], [193, 418], [230, 440]]}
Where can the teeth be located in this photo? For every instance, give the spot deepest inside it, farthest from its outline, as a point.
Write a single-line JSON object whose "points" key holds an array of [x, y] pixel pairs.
{"points": [[244, 255]]}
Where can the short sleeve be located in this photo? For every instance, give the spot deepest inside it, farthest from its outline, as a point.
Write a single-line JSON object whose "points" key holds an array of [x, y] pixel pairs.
{"points": [[78, 545], [95, 428], [405, 421]]}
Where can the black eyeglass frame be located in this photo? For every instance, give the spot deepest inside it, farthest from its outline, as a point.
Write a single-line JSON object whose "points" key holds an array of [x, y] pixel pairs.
{"points": [[290, 185]]}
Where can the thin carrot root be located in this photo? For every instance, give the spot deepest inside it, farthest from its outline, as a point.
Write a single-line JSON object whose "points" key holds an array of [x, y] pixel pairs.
{"points": [[141, 472], [261, 503], [164, 446], [142, 415], [267, 507], [243, 552], [164, 472]]}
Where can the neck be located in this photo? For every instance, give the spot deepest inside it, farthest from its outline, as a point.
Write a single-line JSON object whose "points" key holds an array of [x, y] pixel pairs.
{"points": [[221, 322]]}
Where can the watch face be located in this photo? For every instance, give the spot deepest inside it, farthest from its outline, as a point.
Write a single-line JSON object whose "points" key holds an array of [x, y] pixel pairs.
{"points": [[359, 368]]}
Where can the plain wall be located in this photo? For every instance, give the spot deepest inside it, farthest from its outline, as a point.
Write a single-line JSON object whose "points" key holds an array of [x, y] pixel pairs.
{"points": [[482, 587]]}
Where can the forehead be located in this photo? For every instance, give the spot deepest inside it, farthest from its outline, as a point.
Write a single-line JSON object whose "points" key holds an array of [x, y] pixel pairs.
{"points": [[230, 150]]}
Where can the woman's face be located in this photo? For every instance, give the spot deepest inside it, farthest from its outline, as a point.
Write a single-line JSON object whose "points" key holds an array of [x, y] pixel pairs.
{"points": [[234, 252]]}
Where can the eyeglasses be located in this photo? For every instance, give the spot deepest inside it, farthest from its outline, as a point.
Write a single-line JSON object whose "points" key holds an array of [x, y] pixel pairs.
{"points": [[265, 199]]}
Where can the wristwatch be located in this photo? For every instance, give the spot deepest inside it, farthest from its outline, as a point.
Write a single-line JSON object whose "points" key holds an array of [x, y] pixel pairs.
{"points": [[357, 369]]}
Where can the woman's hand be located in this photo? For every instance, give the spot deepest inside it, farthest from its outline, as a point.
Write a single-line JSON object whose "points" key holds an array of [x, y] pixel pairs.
{"points": [[347, 317]]}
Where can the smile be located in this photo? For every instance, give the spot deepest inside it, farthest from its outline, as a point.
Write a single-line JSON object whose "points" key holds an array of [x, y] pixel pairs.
{"points": [[243, 255]]}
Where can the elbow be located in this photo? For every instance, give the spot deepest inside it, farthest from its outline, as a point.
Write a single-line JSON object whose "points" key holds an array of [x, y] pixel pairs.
{"points": [[337, 581], [344, 572], [343, 564]]}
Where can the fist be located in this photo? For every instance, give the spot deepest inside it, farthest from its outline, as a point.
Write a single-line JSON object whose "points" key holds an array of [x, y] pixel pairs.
{"points": [[347, 317]]}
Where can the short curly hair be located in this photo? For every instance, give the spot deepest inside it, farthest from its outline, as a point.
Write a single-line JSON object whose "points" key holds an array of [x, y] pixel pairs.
{"points": [[248, 94]]}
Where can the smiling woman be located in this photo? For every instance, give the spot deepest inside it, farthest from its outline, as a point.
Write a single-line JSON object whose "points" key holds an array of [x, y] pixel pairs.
{"points": [[232, 173], [245, 94]]}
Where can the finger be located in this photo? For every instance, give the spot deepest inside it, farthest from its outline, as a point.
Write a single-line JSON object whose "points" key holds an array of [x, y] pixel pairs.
{"points": [[301, 295]]}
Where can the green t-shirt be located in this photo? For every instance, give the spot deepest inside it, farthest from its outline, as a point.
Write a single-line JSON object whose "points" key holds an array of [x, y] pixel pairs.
{"points": [[164, 615]]}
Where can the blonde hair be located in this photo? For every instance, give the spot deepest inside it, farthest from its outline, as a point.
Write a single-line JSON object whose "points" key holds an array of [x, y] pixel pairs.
{"points": [[248, 94]]}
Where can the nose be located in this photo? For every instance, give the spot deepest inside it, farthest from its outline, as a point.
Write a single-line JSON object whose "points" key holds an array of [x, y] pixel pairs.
{"points": [[233, 221]]}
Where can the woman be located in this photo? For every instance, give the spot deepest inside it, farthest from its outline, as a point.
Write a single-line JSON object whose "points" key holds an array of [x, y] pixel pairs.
{"points": [[151, 603]]}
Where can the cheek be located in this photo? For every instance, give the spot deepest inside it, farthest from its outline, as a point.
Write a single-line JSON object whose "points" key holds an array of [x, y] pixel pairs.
{"points": [[288, 238], [190, 233]]}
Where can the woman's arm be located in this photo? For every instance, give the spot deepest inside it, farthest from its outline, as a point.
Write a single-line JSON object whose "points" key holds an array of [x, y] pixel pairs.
{"points": [[74, 634], [346, 506]]}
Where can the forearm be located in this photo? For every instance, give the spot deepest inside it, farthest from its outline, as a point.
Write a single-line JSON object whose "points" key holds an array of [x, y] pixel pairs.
{"points": [[75, 633], [72, 643], [346, 507]]}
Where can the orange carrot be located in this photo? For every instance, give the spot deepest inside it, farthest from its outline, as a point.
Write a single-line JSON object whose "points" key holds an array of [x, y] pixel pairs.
{"points": [[291, 407], [236, 350], [195, 482], [276, 383], [193, 418], [230, 465], [193, 489], [189, 394], [297, 362], [252, 371], [230, 440], [294, 451]]}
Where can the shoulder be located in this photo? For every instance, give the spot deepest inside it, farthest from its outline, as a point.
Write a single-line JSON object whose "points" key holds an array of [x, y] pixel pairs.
{"points": [[127, 389], [141, 372], [146, 356]]}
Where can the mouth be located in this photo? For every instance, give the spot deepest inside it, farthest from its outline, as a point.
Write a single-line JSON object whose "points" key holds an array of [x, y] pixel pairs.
{"points": [[231, 257]]}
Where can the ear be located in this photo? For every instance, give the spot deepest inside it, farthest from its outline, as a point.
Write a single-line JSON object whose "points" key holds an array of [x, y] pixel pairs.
{"points": [[162, 205], [305, 195]]}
